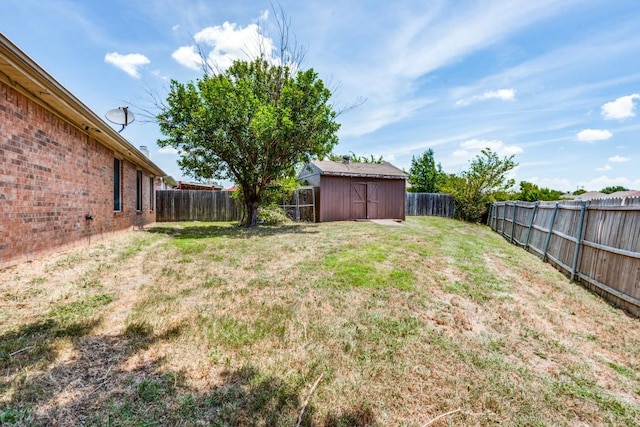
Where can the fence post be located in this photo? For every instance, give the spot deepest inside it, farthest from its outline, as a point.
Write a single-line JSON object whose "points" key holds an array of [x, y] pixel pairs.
{"points": [[491, 221], [546, 243], [513, 222], [533, 215], [574, 267]]}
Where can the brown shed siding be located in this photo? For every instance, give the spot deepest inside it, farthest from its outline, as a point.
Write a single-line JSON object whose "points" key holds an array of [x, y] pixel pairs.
{"points": [[335, 196], [350, 198]]}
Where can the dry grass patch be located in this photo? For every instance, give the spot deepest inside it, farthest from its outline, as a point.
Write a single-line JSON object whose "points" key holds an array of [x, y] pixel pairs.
{"points": [[209, 324]]}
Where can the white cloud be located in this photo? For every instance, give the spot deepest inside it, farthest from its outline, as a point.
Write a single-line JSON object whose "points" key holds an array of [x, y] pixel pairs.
{"points": [[502, 94], [589, 135], [188, 56], [621, 108], [619, 159], [604, 168], [228, 42], [472, 147], [560, 184], [604, 181], [160, 75], [264, 15], [409, 45], [494, 144], [168, 150], [129, 63]]}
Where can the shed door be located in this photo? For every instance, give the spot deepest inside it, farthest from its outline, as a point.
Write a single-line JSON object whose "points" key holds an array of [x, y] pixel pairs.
{"points": [[359, 200], [372, 200]]}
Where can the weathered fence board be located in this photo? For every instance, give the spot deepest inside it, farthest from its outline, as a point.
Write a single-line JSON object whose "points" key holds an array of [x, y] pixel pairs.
{"points": [[596, 242], [193, 205], [430, 204]]}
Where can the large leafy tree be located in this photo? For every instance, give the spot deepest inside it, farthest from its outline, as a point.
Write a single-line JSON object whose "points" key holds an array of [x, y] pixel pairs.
{"points": [[252, 123], [424, 174], [476, 187]]}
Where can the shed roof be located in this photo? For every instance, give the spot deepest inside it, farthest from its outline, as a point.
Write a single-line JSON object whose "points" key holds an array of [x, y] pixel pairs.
{"points": [[369, 170], [24, 74]]}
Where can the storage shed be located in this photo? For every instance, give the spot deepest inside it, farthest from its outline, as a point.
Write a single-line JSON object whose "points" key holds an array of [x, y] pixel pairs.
{"points": [[351, 191]]}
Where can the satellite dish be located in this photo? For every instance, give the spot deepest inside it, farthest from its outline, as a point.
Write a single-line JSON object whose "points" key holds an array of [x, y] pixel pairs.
{"points": [[120, 116]]}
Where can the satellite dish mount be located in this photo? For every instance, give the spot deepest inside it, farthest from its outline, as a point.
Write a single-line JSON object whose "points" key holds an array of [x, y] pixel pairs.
{"points": [[120, 116]]}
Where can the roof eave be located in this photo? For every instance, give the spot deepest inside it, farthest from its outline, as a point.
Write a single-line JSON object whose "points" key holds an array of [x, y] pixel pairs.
{"points": [[24, 74]]}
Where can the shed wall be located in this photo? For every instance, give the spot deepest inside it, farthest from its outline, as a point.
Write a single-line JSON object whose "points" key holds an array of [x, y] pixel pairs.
{"points": [[51, 176]]}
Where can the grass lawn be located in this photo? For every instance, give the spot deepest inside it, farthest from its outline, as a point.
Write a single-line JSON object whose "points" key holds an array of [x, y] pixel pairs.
{"points": [[432, 322]]}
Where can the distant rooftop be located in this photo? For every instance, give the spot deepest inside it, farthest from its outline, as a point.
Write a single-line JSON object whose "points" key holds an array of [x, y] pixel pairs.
{"points": [[198, 186], [593, 195]]}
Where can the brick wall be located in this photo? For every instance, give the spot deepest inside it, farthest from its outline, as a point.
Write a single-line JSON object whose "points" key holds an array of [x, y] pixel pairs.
{"points": [[51, 176]]}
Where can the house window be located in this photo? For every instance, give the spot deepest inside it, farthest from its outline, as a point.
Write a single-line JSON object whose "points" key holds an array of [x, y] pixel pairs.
{"points": [[138, 191], [151, 193], [117, 189]]}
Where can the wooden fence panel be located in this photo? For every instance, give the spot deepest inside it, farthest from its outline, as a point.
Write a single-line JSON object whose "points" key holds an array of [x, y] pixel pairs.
{"points": [[430, 204], [595, 242], [563, 241], [194, 205], [521, 219]]}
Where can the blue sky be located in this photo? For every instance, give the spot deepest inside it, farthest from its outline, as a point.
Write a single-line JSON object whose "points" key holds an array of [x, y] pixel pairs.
{"points": [[557, 83]]}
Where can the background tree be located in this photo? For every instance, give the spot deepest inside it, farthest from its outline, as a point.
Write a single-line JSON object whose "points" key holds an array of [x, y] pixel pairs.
{"points": [[579, 192], [424, 174], [354, 158], [611, 190], [252, 123], [475, 188], [530, 192]]}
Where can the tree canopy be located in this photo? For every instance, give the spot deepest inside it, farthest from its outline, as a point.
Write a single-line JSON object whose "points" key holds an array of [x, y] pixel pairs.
{"points": [[252, 123], [613, 189], [354, 158], [424, 174], [474, 188], [530, 192]]}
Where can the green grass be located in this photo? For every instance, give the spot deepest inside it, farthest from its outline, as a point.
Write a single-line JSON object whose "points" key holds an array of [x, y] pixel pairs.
{"points": [[212, 324]]}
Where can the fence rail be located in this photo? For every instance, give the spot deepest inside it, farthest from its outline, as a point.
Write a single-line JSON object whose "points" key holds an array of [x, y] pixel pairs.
{"points": [[594, 242]]}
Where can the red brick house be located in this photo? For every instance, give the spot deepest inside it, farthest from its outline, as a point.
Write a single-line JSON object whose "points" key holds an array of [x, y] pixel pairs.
{"points": [[66, 176]]}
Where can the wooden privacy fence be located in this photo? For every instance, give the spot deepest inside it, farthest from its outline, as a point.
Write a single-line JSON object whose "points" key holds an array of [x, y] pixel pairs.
{"points": [[594, 242], [430, 204], [194, 205]]}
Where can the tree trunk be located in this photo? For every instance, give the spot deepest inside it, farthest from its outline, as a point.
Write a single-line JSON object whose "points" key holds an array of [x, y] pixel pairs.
{"points": [[252, 212]]}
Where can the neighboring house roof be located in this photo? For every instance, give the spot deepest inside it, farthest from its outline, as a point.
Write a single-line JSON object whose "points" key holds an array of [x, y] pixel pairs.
{"points": [[198, 186], [630, 193], [593, 195], [368, 170], [170, 181], [20, 71]]}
